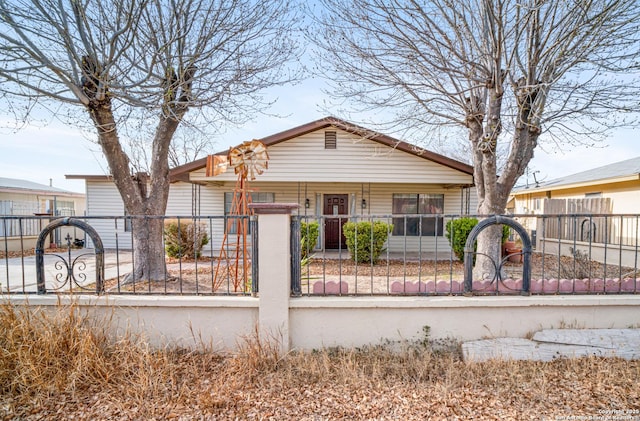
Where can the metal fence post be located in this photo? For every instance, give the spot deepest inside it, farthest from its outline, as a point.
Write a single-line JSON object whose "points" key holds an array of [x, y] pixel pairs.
{"points": [[253, 223], [296, 256]]}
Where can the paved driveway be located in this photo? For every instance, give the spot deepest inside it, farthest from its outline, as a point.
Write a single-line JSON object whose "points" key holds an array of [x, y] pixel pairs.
{"points": [[19, 274]]}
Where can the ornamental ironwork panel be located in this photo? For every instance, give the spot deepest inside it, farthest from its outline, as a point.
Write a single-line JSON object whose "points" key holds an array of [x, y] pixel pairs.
{"points": [[469, 252], [71, 270]]}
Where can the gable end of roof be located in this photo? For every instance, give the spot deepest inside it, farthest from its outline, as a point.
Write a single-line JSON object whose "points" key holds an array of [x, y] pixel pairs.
{"points": [[181, 173]]}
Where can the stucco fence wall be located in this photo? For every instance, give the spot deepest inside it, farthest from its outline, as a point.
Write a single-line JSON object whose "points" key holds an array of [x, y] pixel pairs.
{"points": [[18, 244], [315, 322], [26, 242]]}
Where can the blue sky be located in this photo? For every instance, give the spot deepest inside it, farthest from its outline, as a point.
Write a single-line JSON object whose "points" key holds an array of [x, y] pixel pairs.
{"points": [[51, 150]]}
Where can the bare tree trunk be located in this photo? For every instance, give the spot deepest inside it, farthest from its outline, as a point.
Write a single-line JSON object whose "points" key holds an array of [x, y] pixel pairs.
{"points": [[148, 250], [144, 206], [147, 57], [492, 200], [489, 251], [498, 62]]}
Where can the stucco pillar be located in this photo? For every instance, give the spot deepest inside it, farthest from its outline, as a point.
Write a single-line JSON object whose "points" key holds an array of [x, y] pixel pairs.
{"points": [[274, 270]]}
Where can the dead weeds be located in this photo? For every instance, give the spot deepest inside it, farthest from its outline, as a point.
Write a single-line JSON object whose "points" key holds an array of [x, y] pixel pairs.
{"points": [[62, 365]]}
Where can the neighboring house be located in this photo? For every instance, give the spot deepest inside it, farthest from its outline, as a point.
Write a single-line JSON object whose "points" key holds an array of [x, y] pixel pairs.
{"points": [[617, 183], [26, 198], [612, 189], [329, 167]]}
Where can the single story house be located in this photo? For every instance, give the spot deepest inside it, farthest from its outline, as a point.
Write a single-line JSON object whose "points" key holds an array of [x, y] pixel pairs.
{"points": [[612, 189], [618, 184], [26, 198], [330, 167]]}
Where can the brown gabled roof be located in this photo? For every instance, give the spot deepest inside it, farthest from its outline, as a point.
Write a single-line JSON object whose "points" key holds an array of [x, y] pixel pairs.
{"points": [[95, 177], [91, 177], [181, 173]]}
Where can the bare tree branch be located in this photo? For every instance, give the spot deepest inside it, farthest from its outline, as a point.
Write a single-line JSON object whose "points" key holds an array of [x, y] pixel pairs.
{"points": [[146, 63], [506, 71]]}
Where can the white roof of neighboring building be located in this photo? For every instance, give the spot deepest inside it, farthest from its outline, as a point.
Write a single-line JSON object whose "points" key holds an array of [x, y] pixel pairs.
{"points": [[617, 170], [26, 186]]}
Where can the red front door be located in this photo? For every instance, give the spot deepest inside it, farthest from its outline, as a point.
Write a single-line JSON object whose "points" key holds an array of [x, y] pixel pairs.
{"points": [[335, 205]]}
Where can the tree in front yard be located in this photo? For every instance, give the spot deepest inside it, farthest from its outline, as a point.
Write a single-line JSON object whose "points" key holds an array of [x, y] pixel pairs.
{"points": [[135, 67], [502, 71]]}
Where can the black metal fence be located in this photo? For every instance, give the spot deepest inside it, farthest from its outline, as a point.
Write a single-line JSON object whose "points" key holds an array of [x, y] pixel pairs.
{"points": [[388, 255], [563, 259], [213, 255]]}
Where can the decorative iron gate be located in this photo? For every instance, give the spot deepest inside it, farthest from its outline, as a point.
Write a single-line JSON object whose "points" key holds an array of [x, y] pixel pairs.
{"points": [[67, 266], [469, 251]]}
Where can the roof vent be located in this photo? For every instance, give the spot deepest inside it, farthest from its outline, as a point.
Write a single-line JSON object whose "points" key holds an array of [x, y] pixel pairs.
{"points": [[330, 140]]}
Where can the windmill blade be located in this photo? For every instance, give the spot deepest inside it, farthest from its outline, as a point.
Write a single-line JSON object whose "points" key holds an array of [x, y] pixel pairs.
{"points": [[249, 158]]}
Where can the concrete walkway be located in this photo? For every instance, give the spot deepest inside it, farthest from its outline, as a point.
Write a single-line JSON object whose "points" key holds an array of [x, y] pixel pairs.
{"points": [[550, 344], [18, 274]]}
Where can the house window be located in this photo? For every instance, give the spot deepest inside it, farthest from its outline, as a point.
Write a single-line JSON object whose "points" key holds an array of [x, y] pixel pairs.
{"points": [[256, 197], [424, 205], [65, 208], [536, 204], [330, 140]]}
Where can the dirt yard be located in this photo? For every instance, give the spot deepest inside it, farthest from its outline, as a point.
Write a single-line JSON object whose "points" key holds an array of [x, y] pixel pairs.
{"points": [[207, 277]]}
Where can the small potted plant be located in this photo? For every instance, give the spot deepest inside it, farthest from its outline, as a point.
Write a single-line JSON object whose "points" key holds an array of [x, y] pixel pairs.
{"points": [[514, 251], [507, 240]]}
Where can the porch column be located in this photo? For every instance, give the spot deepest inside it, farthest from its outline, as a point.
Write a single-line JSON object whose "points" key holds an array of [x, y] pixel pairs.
{"points": [[274, 270]]}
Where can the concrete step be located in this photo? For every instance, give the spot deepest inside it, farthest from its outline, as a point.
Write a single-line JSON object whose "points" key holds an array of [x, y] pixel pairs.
{"points": [[549, 344]]}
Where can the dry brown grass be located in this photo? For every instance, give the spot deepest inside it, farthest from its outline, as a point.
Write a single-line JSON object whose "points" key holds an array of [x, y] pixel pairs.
{"points": [[61, 365]]}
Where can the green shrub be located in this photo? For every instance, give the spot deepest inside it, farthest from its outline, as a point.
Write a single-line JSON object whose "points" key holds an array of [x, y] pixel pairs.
{"points": [[366, 247], [309, 232], [458, 231], [184, 239]]}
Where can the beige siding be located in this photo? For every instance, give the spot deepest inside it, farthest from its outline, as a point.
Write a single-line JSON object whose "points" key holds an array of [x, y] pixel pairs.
{"points": [[103, 199], [472, 207], [19, 197], [39, 199], [378, 197], [180, 199], [625, 196], [355, 159], [358, 167]]}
